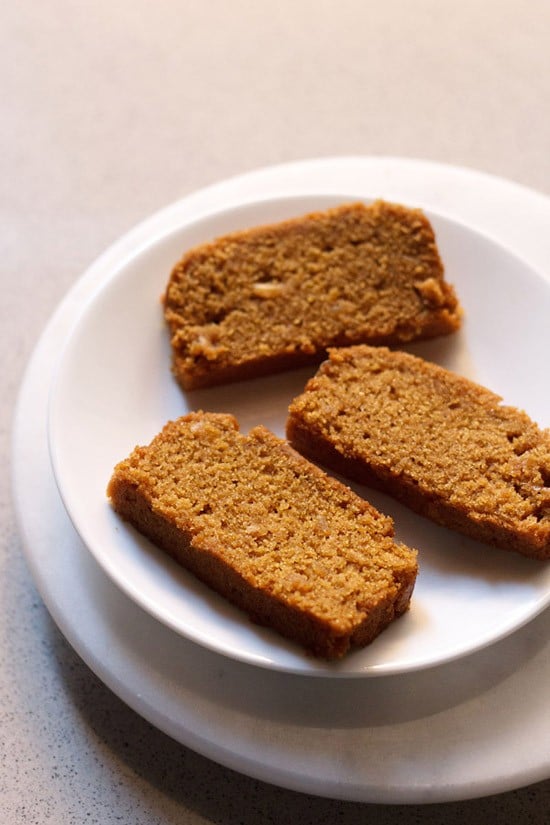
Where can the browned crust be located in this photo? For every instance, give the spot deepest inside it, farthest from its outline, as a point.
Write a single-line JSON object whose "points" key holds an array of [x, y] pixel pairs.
{"points": [[265, 608], [262, 608], [314, 444], [425, 503], [207, 374], [436, 312]]}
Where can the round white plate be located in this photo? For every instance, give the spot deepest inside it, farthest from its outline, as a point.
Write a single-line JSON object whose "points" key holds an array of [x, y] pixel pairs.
{"points": [[467, 728], [114, 389]]}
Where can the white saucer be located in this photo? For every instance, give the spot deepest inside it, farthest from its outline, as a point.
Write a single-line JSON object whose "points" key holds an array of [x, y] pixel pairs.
{"points": [[368, 740], [113, 389]]}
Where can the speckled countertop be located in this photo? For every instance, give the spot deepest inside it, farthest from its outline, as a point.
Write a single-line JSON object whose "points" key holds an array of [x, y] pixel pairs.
{"points": [[109, 111]]}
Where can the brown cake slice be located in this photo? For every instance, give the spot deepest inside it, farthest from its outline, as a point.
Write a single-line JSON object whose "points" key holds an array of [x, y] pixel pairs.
{"points": [[295, 549], [275, 297], [441, 444]]}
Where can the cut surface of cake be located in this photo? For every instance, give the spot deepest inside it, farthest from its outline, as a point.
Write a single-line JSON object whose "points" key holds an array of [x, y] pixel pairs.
{"points": [[275, 297], [443, 445], [295, 549]]}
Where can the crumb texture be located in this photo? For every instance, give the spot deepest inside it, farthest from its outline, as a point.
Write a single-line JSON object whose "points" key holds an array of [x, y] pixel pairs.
{"points": [[278, 296], [443, 445], [297, 550]]}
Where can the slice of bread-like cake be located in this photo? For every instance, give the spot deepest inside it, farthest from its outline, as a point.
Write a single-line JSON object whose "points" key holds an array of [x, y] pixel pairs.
{"points": [[439, 443], [294, 548], [275, 297]]}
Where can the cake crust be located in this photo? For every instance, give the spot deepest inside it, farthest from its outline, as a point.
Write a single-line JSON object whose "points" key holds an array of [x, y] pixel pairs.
{"points": [[295, 549], [275, 297], [441, 444]]}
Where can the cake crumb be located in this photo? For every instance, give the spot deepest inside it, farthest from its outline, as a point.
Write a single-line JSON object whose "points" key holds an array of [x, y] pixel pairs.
{"points": [[295, 549], [443, 445], [280, 295]]}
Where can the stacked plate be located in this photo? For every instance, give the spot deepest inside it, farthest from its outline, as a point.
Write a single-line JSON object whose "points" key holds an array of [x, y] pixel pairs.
{"points": [[471, 654]]}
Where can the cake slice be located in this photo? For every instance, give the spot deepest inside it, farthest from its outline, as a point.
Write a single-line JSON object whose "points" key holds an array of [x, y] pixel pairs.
{"points": [[439, 443], [275, 297], [295, 549]]}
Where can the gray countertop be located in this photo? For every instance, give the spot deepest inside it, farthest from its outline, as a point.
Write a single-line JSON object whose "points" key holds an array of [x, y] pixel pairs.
{"points": [[109, 111]]}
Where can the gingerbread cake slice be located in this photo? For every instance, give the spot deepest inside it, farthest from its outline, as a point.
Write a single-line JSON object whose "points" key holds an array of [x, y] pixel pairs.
{"points": [[295, 549], [275, 297], [443, 445]]}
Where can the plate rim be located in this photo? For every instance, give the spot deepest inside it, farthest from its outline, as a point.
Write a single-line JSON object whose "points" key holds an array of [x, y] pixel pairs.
{"points": [[110, 275], [112, 671]]}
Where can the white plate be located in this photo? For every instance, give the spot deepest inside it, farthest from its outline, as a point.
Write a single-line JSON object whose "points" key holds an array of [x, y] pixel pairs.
{"points": [[114, 389], [365, 740]]}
